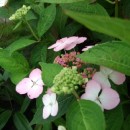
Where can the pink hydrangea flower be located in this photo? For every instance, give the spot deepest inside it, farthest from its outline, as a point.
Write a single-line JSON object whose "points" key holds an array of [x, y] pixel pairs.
{"points": [[106, 99], [105, 74], [87, 48], [67, 43], [3, 2], [33, 85], [50, 105]]}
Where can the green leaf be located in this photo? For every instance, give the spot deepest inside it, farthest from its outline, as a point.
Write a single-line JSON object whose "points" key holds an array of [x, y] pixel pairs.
{"points": [[60, 20], [126, 125], [115, 55], [126, 8], [30, 16], [111, 26], [114, 119], [63, 103], [4, 117], [4, 13], [61, 1], [46, 20], [19, 44], [85, 7], [85, 115], [21, 122], [71, 29], [51, 55], [38, 54], [16, 65], [49, 71], [25, 104]]}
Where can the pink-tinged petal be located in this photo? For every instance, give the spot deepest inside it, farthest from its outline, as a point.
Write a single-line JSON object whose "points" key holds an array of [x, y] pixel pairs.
{"points": [[49, 91], [24, 86], [40, 82], [54, 109], [84, 96], [46, 111], [71, 40], [91, 91], [101, 79], [53, 98], [35, 91], [35, 75], [60, 47], [109, 98], [70, 46], [58, 42], [87, 48], [46, 99], [81, 40], [66, 43], [106, 71], [117, 77]]}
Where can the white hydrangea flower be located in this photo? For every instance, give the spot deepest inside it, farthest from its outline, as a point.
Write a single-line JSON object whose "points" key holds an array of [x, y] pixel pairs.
{"points": [[3, 2], [60, 127], [50, 105]]}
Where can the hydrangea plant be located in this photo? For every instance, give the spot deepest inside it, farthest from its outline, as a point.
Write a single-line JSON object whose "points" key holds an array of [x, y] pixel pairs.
{"points": [[64, 64]]}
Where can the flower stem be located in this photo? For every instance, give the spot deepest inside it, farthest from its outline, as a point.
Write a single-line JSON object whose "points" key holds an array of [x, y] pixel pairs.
{"points": [[76, 95], [116, 8], [38, 127], [30, 28]]}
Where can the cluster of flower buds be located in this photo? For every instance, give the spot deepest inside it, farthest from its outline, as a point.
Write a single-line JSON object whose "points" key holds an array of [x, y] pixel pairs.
{"points": [[88, 72], [67, 81], [69, 59], [20, 13]]}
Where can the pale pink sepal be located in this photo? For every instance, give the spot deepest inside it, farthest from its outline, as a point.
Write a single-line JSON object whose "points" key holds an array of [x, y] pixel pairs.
{"points": [[35, 91], [106, 71], [109, 98], [117, 77], [91, 91], [101, 79], [36, 76], [24, 86]]}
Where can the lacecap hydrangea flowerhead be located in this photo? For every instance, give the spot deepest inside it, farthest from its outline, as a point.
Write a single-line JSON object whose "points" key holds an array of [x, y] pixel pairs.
{"points": [[67, 81], [20, 13]]}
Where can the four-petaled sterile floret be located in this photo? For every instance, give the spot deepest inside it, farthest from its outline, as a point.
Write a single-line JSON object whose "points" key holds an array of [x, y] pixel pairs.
{"points": [[20, 13], [67, 81]]}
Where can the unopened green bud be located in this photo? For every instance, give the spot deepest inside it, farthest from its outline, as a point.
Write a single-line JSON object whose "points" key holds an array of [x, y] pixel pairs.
{"points": [[67, 81], [20, 13]]}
